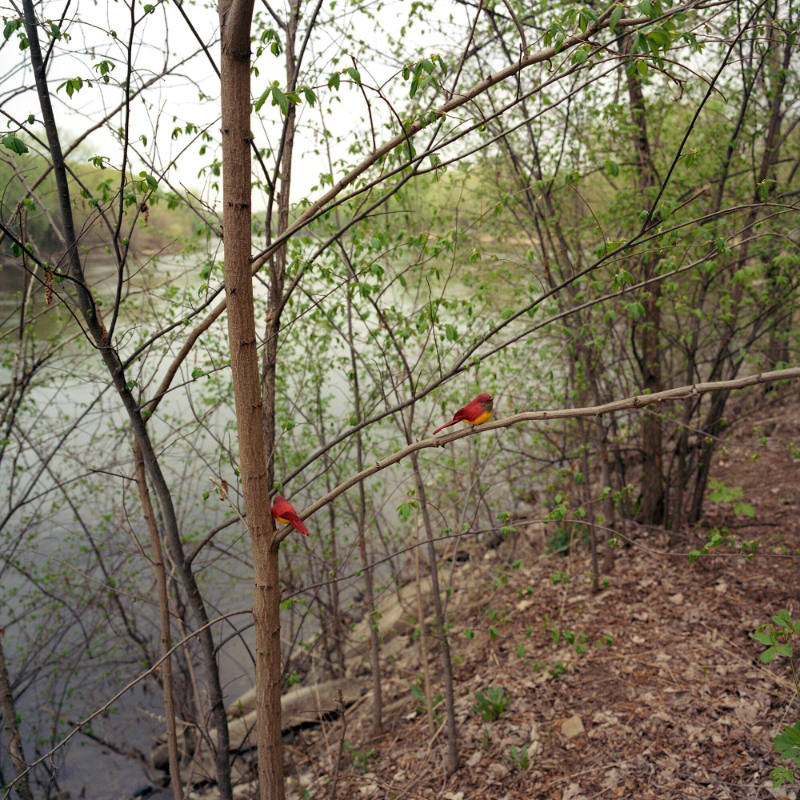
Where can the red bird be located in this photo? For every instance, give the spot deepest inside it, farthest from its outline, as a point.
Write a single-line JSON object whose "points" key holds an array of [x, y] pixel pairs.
{"points": [[284, 512], [475, 412]]}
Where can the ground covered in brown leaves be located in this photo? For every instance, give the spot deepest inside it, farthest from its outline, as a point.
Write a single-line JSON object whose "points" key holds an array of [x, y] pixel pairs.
{"points": [[652, 688]]}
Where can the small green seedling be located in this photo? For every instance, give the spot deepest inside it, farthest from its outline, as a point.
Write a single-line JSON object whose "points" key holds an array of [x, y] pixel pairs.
{"points": [[360, 757], [557, 669], [787, 743], [518, 757], [578, 641], [492, 704], [777, 638], [419, 695]]}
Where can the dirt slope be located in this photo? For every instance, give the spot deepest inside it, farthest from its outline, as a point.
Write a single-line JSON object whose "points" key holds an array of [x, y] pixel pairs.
{"points": [[651, 689]]}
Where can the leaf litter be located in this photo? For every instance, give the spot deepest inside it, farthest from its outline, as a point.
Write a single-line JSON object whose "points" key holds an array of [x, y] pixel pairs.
{"points": [[657, 692]]}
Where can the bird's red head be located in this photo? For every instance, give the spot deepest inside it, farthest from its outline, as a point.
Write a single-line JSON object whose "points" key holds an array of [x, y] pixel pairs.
{"points": [[485, 400]]}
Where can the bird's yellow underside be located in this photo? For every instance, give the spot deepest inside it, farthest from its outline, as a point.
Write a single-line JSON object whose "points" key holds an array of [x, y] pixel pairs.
{"points": [[481, 419]]}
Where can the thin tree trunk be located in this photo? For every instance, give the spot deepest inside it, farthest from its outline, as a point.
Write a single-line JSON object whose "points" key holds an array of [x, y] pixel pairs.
{"points": [[339, 634], [163, 607], [11, 728], [651, 509], [600, 438], [778, 278], [334, 607], [374, 644], [713, 423], [588, 504], [96, 330], [712, 427], [253, 433], [423, 634], [447, 665]]}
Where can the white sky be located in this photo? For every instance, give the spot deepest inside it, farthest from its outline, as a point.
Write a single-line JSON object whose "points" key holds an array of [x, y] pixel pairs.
{"points": [[177, 98]]}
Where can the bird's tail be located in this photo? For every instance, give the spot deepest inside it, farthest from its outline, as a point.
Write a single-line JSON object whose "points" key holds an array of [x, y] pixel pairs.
{"points": [[442, 427]]}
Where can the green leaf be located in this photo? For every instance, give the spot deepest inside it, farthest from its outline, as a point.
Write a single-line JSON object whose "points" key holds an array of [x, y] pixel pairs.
{"points": [[612, 168], [104, 67], [647, 8], [764, 637], [745, 509], [768, 655], [404, 510], [258, 103], [616, 16], [11, 26], [354, 74], [280, 99], [151, 181], [788, 737], [659, 37], [636, 310], [311, 98], [333, 81], [783, 619], [14, 143], [451, 334], [781, 775], [580, 55], [71, 85]]}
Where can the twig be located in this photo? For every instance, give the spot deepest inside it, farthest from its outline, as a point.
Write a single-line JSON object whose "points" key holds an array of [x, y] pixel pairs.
{"points": [[423, 636], [635, 402], [335, 780]]}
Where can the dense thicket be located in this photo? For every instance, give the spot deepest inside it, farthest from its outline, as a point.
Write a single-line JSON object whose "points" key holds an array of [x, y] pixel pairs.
{"points": [[561, 205]]}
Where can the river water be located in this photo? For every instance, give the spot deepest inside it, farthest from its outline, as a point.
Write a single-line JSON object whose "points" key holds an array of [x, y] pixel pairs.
{"points": [[72, 470], [68, 503], [74, 462]]}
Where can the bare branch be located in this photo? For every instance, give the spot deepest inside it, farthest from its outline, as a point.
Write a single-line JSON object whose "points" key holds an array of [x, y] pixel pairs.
{"points": [[637, 401]]}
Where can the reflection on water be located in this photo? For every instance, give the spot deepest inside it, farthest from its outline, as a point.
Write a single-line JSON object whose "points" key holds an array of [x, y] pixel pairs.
{"points": [[15, 285], [78, 428], [18, 283], [69, 504]]}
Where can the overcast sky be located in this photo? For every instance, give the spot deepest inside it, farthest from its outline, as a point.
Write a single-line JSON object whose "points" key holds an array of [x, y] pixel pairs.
{"points": [[189, 93]]}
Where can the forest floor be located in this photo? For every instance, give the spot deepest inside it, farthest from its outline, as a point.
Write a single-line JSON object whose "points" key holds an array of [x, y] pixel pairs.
{"points": [[652, 688]]}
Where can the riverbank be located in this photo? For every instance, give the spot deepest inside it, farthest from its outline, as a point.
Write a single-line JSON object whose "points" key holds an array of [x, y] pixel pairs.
{"points": [[652, 688]]}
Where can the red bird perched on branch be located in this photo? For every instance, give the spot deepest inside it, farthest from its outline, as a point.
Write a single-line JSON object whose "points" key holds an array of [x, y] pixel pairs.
{"points": [[284, 512], [475, 412]]}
